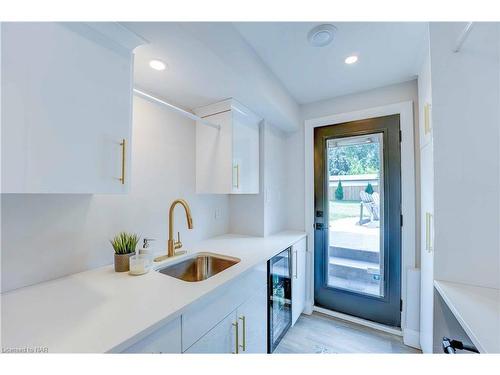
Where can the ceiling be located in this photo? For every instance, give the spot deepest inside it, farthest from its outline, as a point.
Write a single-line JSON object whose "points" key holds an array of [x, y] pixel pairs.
{"points": [[388, 53], [208, 62], [271, 67]]}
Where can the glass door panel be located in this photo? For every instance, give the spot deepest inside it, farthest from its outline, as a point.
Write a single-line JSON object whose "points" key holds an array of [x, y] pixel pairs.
{"points": [[280, 297], [356, 214]]}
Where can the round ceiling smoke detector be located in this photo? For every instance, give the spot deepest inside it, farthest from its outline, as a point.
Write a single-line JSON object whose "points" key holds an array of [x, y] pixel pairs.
{"points": [[321, 35]]}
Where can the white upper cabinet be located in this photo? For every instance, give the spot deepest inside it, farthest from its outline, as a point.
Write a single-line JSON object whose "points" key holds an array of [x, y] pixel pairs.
{"points": [[227, 159], [66, 107]]}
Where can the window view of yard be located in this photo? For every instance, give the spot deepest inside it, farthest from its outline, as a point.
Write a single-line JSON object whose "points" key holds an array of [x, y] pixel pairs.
{"points": [[343, 209], [355, 262]]}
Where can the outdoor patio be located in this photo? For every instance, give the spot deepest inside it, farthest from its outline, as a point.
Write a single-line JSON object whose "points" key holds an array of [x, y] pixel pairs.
{"points": [[354, 256]]}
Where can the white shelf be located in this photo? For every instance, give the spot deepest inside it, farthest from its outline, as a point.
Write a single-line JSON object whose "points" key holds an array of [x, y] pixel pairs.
{"points": [[477, 309]]}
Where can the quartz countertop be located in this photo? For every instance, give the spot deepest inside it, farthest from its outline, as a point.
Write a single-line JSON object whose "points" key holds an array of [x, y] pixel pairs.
{"points": [[103, 311], [477, 309]]}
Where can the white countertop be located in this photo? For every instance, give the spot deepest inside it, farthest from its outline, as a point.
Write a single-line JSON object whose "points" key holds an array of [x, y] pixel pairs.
{"points": [[477, 309], [101, 310]]}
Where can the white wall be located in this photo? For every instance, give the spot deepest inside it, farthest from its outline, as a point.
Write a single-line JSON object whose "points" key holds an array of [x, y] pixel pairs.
{"points": [[48, 236], [275, 179], [295, 141], [466, 119]]}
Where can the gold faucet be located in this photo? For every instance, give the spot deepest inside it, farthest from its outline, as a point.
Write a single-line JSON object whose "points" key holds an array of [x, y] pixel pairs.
{"points": [[172, 245]]}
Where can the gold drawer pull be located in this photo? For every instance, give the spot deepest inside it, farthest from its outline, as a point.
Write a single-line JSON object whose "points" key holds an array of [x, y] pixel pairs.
{"points": [[236, 346]]}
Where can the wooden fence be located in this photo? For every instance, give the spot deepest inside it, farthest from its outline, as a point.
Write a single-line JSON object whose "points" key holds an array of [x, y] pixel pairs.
{"points": [[352, 185]]}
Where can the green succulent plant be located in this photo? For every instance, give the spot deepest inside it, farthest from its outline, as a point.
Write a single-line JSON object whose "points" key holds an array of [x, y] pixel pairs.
{"points": [[124, 243]]}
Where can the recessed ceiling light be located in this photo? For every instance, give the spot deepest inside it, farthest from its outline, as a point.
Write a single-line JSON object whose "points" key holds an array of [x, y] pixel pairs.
{"points": [[321, 35], [157, 64], [351, 59]]}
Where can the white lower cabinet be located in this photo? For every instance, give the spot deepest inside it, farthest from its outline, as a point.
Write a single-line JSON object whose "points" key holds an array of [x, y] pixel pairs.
{"points": [[243, 331], [232, 319], [242, 326], [166, 339], [220, 339], [252, 323], [298, 279]]}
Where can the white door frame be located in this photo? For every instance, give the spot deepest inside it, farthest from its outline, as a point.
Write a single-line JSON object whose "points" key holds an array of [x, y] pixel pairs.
{"points": [[405, 111]]}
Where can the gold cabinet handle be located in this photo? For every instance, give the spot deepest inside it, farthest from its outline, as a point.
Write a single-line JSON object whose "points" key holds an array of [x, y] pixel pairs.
{"points": [[427, 118], [428, 229], [123, 145], [236, 346], [243, 320], [237, 169]]}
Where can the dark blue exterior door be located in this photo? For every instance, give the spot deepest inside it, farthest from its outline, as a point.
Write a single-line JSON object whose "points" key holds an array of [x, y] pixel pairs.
{"points": [[357, 255]]}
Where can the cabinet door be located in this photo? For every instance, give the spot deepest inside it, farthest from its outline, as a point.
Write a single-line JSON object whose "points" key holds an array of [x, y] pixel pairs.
{"points": [[208, 311], [245, 176], [66, 103], [427, 248], [425, 101], [220, 339], [252, 322], [166, 339], [298, 279], [214, 155]]}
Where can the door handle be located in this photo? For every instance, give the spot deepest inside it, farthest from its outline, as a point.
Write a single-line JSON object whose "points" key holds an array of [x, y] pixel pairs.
{"points": [[236, 338], [244, 323]]}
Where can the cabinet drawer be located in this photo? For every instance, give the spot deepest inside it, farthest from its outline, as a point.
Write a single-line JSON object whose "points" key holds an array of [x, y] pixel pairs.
{"points": [[166, 339], [204, 314]]}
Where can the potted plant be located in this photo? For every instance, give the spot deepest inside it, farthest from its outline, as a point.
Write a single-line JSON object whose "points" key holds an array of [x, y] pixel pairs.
{"points": [[124, 245]]}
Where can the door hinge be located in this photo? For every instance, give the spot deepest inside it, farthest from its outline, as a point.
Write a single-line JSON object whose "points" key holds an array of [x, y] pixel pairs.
{"points": [[400, 305], [401, 219], [400, 136]]}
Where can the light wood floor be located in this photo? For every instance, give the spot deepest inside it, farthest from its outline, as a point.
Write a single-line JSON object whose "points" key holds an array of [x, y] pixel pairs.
{"points": [[318, 333]]}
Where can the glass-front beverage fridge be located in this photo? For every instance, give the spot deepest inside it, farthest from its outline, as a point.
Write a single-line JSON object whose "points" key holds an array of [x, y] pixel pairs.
{"points": [[279, 297]]}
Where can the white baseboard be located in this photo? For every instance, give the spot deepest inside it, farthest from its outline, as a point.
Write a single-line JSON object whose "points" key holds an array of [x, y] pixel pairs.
{"points": [[363, 322], [411, 338], [308, 308]]}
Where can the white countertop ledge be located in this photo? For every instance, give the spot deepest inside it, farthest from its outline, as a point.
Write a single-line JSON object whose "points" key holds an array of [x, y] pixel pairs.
{"points": [[103, 311], [477, 309]]}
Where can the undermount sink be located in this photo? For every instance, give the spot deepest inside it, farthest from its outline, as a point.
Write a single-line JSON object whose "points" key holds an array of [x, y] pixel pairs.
{"points": [[200, 266]]}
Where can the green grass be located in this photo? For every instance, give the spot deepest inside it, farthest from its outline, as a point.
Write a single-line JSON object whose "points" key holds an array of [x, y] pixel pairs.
{"points": [[344, 209]]}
